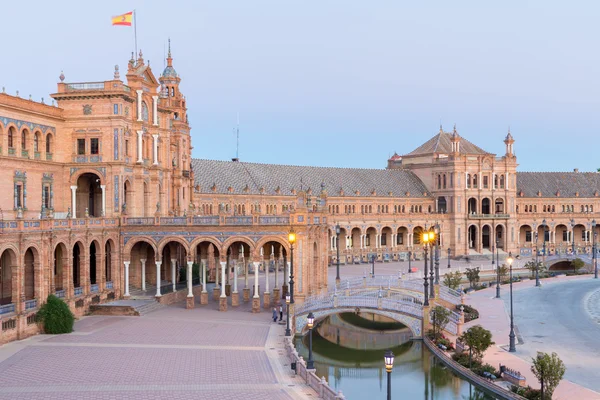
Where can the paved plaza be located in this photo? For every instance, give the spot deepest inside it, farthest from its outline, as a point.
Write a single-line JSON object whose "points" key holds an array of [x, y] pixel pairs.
{"points": [[170, 353]]}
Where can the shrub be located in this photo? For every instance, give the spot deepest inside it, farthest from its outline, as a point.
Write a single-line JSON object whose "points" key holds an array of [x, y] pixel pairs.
{"points": [[463, 359], [527, 392], [470, 312], [56, 316], [487, 368]]}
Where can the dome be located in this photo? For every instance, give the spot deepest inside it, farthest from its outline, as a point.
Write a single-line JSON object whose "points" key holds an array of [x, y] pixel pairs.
{"points": [[169, 72]]}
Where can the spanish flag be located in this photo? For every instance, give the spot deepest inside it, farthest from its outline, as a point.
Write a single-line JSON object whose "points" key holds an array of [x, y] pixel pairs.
{"points": [[124, 19]]}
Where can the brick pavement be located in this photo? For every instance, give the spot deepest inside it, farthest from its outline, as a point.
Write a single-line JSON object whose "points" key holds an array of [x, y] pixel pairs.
{"points": [[171, 353]]}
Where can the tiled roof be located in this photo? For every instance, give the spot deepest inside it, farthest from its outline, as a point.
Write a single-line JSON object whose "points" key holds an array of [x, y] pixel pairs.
{"points": [[240, 175], [568, 184], [441, 143]]}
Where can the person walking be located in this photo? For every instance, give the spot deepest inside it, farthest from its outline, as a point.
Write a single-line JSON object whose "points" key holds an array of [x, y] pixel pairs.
{"points": [[280, 312], [274, 314]]}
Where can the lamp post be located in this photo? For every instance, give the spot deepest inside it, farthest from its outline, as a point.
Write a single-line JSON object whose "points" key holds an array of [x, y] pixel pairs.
{"points": [[537, 264], [543, 247], [493, 254], [497, 273], [310, 320], [288, 332], [337, 246], [373, 266], [388, 359], [432, 238], [409, 257], [448, 257], [425, 283], [573, 236], [511, 335], [437, 255], [594, 255], [292, 240]]}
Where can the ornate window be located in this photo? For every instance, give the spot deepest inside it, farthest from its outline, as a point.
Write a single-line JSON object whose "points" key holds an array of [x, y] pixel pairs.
{"points": [[144, 111]]}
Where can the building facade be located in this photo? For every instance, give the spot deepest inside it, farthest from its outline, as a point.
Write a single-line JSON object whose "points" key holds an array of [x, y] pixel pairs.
{"points": [[101, 197]]}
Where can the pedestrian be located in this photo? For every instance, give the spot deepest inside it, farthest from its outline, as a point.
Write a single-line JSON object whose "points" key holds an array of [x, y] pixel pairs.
{"points": [[274, 314], [280, 312]]}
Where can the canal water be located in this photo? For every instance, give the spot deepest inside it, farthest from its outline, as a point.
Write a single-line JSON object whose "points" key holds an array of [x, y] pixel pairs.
{"points": [[348, 351]]}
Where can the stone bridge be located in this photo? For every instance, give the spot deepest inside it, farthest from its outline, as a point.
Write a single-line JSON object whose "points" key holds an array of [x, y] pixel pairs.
{"points": [[390, 296], [555, 260]]}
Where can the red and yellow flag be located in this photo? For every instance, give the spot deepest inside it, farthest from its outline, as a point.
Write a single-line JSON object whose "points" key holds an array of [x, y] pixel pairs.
{"points": [[124, 19]]}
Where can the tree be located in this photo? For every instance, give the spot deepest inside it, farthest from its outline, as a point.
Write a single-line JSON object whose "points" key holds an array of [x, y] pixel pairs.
{"points": [[533, 266], [472, 276], [478, 339], [56, 316], [453, 279], [549, 370], [503, 272], [577, 264], [440, 316]]}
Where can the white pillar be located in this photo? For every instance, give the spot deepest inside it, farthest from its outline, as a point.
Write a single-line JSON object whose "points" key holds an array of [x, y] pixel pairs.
{"points": [[288, 272], [139, 104], [256, 296], [223, 266], [203, 262], [126, 263], [103, 188], [189, 278], [155, 149], [158, 264], [347, 242], [216, 276], [143, 261], [245, 273], [155, 110], [174, 273], [235, 278], [267, 277], [73, 202], [139, 146]]}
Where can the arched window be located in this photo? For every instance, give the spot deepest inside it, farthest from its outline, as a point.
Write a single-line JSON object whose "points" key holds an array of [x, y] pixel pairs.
{"points": [[501, 181], [553, 209], [144, 111], [581, 208], [475, 181], [439, 181], [468, 180], [403, 209], [370, 210], [444, 181], [24, 139], [172, 92], [544, 208], [36, 142], [48, 143], [11, 137], [495, 181]]}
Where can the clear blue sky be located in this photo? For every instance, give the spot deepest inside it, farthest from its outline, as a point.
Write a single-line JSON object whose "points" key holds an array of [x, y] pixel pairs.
{"points": [[339, 82]]}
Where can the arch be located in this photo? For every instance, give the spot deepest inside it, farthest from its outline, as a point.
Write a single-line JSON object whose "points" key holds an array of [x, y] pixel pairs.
{"points": [[343, 240], [49, 143], [36, 141], [166, 240], [142, 264], [417, 235], [439, 181], [60, 265], [355, 237], [525, 234], [174, 252], [194, 245], [441, 204], [281, 241], [8, 261], [11, 137], [93, 257], [472, 237], [110, 259], [370, 237], [24, 138], [127, 196], [244, 239], [401, 236], [502, 181], [561, 234], [133, 241], [468, 181], [472, 206], [499, 205], [145, 113], [78, 255], [89, 195], [486, 237], [474, 181], [486, 206], [444, 181], [500, 236], [386, 237], [31, 260]]}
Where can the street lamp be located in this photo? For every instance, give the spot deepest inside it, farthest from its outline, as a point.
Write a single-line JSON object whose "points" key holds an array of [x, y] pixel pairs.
{"points": [[425, 238], [511, 336], [573, 235], [337, 245], [537, 263], [432, 238], [292, 240], [409, 257], [288, 332], [545, 226], [497, 272], [388, 359], [594, 256], [373, 266], [437, 256], [448, 257], [311, 321]]}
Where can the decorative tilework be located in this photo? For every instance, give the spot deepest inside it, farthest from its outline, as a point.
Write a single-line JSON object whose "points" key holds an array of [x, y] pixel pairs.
{"points": [[116, 143], [117, 205], [32, 126]]}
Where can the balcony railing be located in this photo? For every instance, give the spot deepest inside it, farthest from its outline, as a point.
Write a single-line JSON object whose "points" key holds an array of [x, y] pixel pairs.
{"points": [[6, 309], [78, 291], [489, 216], [94, 288], [30, 304], [60, 294], [85, 86]]}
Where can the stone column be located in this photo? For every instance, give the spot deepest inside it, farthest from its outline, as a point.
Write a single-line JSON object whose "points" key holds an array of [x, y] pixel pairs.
{"points": [[73, 202], [235, 296], [246, 291], [126, 263], [155, 149], [174, 274], [256, 297], [223, 297], [276, 298], [139, 146], [190, 296], [267, 292], [103, 188], [204, 293], [158, 264], [143, 261], [139, 104], [155, 110]]}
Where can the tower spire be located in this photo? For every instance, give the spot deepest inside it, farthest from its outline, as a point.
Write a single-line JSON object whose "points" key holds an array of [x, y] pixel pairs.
{"points": [[169, 58]]}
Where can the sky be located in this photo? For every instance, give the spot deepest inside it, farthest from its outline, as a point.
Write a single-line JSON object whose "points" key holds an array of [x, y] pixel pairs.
{"points": [[339, 82]]}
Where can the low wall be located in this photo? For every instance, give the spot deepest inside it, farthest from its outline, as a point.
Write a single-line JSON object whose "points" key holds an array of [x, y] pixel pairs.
{"points": [[181, 295], [99, 309], [470, 375], [319, 385]]}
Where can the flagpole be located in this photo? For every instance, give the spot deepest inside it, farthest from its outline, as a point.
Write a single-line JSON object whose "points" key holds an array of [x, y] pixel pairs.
{"points": [[135, 31]]}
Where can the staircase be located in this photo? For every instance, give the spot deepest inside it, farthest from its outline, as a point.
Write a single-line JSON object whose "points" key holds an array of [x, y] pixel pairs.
{"points": [[131, 307]]}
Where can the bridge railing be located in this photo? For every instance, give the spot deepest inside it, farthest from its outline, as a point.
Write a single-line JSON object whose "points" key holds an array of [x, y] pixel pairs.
{"points": [[382, 281], [374, 299], [450, 295]]}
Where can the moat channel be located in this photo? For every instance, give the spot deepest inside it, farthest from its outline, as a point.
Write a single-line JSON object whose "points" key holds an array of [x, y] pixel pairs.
{"points": [[348, 351]]}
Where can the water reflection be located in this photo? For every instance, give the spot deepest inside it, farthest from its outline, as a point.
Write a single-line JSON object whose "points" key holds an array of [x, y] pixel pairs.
{"points": [[348, 352]]}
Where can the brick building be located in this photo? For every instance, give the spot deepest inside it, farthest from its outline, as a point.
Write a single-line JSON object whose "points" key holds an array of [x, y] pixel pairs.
{"points": [[100, 197]]}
